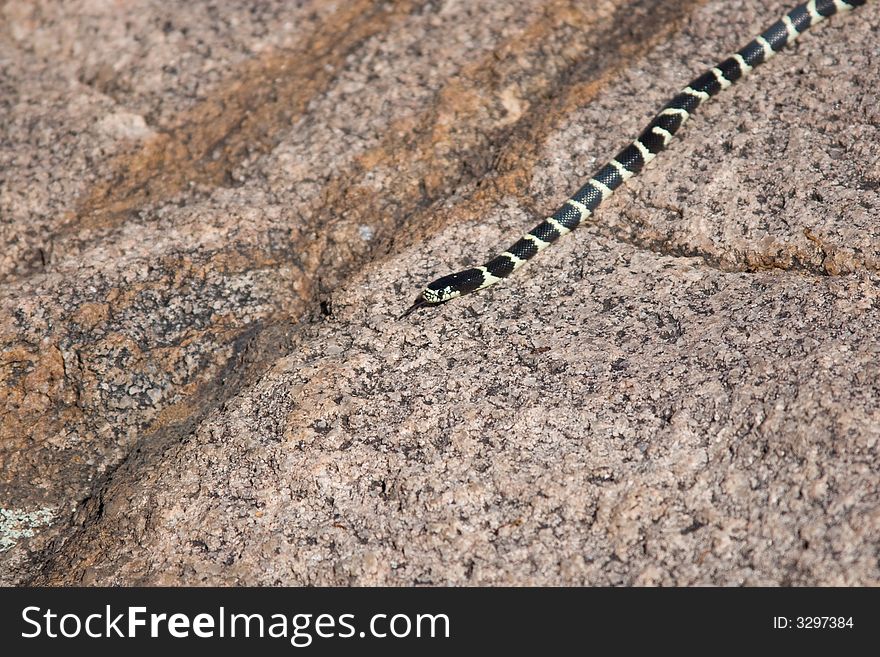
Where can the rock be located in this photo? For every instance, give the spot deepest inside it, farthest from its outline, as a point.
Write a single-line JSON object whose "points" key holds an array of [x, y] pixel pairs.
{"points": [[212, 225]]}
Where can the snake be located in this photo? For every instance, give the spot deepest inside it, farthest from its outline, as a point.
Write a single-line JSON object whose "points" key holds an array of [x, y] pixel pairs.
{"points": [[633, 159]]}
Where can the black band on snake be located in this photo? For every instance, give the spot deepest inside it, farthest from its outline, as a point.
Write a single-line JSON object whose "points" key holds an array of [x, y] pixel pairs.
{"points": [[632, 159]]}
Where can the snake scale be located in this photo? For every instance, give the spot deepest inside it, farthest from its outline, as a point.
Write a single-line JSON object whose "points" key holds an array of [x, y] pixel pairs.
{"points": [[632, 159]]}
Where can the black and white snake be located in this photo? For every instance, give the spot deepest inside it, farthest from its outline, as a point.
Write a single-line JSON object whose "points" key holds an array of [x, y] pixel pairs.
{"points": [[632, 159]]}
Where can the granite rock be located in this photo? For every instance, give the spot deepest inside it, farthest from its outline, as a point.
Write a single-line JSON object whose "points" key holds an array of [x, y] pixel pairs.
{"points": [[211, 221]]}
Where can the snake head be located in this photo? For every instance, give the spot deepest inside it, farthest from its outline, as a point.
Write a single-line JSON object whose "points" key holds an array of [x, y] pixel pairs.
{"points": [[448, 287], [454, 285]]}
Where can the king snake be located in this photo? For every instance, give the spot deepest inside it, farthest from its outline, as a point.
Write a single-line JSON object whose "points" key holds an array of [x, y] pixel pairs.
{"points": [[632, 159]]}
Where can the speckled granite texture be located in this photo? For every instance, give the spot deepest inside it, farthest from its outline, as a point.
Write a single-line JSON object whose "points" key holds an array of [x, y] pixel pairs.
{"points": [[211, 219]]}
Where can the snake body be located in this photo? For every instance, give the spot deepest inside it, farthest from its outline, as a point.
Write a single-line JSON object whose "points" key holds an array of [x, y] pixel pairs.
{"points": [[632, 159]]}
